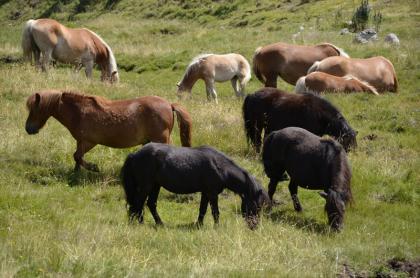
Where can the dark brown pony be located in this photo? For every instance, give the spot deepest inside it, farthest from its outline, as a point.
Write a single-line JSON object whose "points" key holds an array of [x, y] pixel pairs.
{"points": [[94, 120], [289, 61], [270, 109], [313, 163]]}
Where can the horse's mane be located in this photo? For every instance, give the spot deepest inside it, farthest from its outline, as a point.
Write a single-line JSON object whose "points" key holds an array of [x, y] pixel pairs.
{"points": [[47, 98], [340, 51], [111, 58], [78, 97], [370, 87], [194, 63]]}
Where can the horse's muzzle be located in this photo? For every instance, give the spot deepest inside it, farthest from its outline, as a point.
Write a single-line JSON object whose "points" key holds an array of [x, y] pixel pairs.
{"points": [[31, 130]]}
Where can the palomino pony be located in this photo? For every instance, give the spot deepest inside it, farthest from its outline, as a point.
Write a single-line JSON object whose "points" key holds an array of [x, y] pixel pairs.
{"points": [[289, 61], [80, 47], [313, 163], [319, 82], [184, 171], [219, 68], [94, 120], [270, 109], [377, 71]]}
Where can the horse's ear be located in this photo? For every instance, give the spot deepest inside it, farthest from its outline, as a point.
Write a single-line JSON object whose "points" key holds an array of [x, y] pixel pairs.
{"points": [[323, 194], [37, 99]]}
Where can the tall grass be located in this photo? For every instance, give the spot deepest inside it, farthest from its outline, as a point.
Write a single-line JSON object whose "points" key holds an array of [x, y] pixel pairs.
{"points": [[54, 222]]}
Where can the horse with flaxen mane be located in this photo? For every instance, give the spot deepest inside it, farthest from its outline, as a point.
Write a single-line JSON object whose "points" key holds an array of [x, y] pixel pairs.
{"points": [[288, 61], [219, 68], [80, 47], [313, 163], [94, 120], [319, 82], [270, 109], [184, 171], [377, 71]]}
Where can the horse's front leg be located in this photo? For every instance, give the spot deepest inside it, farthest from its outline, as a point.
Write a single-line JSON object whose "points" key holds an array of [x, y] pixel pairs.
{"points": [[82, 148], [152, 203], [215, 208], [272, 189], [88, 68], [211, 92], [203, 208], [293, 189]]}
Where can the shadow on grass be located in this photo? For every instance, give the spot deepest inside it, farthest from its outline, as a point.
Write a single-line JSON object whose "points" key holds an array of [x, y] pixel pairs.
{"points": [[299, 221], [47, 173]]}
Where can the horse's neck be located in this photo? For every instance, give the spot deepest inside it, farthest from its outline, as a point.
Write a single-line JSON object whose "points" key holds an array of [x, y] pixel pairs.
{"points": [[189, 80]]}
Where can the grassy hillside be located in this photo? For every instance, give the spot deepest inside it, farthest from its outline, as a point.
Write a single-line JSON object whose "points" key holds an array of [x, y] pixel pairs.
{"points": [[54, 222]]}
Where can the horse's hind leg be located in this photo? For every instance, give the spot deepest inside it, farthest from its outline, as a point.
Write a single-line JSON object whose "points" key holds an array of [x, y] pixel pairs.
{"points": [[82, 148], [151, 203], [203, 209], [293, 189], [215, 208]]}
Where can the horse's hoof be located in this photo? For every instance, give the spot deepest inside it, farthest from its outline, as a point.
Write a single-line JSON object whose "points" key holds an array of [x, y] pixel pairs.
{"points": [[298, 208], [92, 167]]}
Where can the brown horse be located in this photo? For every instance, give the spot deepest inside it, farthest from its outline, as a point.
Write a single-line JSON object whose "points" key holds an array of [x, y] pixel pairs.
{"points": [[80, 47], [289, 61], [319, 82], [377, 71], [94, 120]]}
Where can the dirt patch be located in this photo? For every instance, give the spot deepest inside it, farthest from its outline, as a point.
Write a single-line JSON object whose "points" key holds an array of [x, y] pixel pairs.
{"points": [[370, 137], [402, 265]]}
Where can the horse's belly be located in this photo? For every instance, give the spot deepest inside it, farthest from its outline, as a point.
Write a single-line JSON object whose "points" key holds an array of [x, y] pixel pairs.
{"points": [[222, 75], [64, 53]]}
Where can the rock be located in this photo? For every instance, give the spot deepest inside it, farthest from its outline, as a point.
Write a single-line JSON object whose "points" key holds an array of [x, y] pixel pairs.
{"points": [[366, 36], [344, 31], [391, 38]]}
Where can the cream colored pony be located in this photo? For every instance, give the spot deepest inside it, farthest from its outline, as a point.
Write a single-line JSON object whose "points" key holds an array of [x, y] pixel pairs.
{"points": [[219, 68], [47, 39]]}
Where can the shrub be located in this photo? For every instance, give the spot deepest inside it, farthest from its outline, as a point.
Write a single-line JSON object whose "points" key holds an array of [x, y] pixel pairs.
{"points": [[361, 16]]}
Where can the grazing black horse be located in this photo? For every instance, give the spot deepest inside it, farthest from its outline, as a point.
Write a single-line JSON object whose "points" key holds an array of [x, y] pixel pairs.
{"points": [[311, 162], [270, 109], [188, 170]]}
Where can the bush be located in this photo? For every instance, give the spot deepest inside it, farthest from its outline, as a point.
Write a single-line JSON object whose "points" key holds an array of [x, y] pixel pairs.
{"points": [[361, 16]]}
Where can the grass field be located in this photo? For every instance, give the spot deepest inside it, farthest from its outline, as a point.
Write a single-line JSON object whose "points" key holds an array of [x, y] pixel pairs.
{"points": [[54, 222]]}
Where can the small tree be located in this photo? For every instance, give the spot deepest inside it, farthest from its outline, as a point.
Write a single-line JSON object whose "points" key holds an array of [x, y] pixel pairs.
{"points": [[361, 16], [377, 20]]}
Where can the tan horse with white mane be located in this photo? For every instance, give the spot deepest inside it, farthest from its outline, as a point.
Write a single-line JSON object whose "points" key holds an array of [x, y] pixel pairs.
{"points": [[219, 68], [377, 71], [289, 61], [80, 47], [94, 120], [319, 82]]}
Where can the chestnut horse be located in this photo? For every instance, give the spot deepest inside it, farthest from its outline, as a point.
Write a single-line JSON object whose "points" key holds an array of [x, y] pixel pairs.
{"points": [[80, 47], [94, 120], [319, 82], [219, 68], [289, 61], [377, 71]]}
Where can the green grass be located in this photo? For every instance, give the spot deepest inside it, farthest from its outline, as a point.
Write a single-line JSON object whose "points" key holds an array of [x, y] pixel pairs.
{"points": [[54, 222]]}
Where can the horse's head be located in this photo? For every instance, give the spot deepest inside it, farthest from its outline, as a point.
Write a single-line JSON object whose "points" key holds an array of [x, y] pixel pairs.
{"points": [[181, 88], [335, 208], [253, 203], [111, 76], [38, 115], [343, 133]]}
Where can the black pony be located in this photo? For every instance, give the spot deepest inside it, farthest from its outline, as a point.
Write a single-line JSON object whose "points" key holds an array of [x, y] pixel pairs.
{"points": [[188, 170], [311, 162], [271, 109]]}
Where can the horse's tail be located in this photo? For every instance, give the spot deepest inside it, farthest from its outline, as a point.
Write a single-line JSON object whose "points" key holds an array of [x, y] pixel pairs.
{"points": [[340, 51], [28, 43], [363, 84], [267, 157], [395, 90], [253, 120], [300, 87], [184, 123], [255, 66], [130, 188], [314, 67], [247, 73]]}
